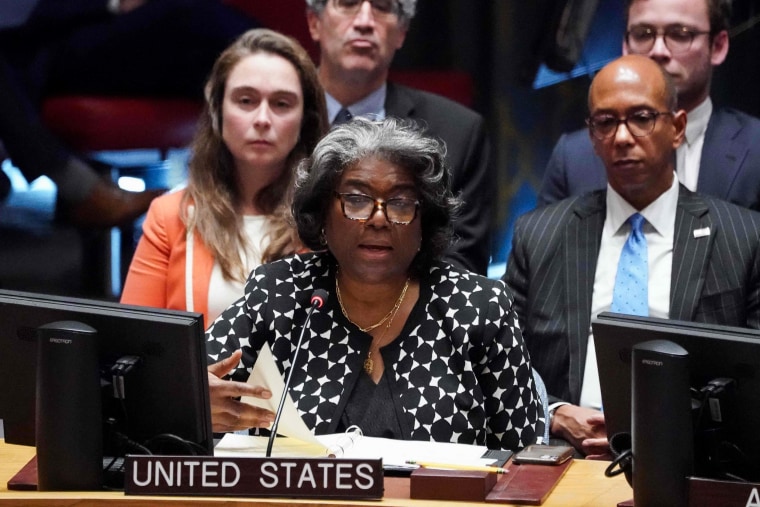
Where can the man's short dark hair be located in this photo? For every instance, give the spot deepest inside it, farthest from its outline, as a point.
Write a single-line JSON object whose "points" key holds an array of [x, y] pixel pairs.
{"points": [[718, 11]]}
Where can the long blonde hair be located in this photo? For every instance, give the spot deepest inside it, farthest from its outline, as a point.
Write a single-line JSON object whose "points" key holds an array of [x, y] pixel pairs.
{"points": [[212, 188]]}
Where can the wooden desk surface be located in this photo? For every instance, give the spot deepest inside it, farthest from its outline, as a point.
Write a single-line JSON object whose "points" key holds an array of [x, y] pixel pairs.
{"points": [[584, 484]]}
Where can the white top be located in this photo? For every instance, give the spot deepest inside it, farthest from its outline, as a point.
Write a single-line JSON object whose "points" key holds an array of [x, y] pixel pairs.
{"points": [[659, 232], [221, 292], [689, 154]]}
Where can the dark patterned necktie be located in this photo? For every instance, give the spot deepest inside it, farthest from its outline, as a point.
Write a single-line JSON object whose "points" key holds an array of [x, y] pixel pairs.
{"points": [[630, 294], [343, 116]]}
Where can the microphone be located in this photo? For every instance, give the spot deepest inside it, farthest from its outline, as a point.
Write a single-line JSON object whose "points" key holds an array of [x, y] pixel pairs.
{"points": [[318, 299]]}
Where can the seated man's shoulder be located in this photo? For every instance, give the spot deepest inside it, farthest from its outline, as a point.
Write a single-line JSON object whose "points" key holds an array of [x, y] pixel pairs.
{"points": [[740, 128], [744, 119], [427, 102], [543, 228], [559, 212], [578, 138], [576, 151], [723, 208], [740, 225]]}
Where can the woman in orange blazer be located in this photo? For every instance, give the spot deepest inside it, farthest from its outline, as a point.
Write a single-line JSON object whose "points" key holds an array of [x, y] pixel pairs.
{"points": [[264, 113]]}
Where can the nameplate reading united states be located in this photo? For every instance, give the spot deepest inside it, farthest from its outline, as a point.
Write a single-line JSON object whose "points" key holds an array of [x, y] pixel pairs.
{"points": [[237, 476]]}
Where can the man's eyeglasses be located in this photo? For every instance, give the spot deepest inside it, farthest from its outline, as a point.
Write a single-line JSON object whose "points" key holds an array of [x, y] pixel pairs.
{"points": [[678, 39], [639, 124], [379, 7], [360, 207]]}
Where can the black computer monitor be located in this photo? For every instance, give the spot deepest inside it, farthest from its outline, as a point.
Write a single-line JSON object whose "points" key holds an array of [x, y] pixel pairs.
{"points": [[165, 393], [723, 449]]}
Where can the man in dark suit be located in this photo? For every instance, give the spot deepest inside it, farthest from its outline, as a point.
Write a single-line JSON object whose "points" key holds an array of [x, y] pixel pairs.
{"points": [[703, 253], [358, 40], [721, 155]]}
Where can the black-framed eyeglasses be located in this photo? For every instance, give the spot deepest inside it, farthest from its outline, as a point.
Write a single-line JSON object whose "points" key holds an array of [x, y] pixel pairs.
{"points": [[639, 124], [379, 7], [678, 39], [360, 207]]}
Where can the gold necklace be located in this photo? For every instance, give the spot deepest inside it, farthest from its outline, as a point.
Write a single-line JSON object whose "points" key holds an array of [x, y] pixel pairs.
{"points": [[369, 363], [381, 321]]}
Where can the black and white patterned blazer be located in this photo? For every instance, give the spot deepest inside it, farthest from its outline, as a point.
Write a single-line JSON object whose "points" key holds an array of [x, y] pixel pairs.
{"points": [[459, 371]]}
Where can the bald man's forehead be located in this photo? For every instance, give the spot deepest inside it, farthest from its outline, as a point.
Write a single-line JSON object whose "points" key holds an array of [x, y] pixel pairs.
{"points": [[626, 75], [629, 75], [628, 93]]}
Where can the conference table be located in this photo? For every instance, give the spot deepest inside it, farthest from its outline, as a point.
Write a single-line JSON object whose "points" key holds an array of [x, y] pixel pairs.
{"points": [[584, 484]]}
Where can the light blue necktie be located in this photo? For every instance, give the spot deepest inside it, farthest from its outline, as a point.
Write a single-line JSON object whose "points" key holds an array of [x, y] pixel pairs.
{"points": [[630, 294]]}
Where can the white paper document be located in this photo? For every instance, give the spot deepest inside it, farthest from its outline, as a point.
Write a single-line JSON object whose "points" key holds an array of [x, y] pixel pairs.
{"points": [[266, 374], [395, 453]]}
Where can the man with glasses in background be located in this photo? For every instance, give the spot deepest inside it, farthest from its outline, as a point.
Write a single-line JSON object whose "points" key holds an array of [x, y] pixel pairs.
{"points": [[720, 155], [357, 40], [646, 245]]}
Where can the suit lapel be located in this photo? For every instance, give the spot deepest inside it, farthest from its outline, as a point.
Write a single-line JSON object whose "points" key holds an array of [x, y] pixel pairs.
{"points": [[398, 103], [582, 238], [722, 155], [692, 244]]}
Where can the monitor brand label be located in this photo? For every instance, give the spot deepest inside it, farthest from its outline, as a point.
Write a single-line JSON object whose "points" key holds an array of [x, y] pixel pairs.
{"points": [[62, 341]]}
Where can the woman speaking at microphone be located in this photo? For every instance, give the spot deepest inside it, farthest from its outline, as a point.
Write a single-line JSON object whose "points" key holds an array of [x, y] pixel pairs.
{"points": [[407, 346]]}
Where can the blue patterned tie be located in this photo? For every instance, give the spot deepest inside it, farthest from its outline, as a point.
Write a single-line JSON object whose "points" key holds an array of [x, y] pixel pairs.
{"points": [[630, 295]]}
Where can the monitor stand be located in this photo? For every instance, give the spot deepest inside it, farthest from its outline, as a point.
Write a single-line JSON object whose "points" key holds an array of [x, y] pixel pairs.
{"points": [[26, 478]]}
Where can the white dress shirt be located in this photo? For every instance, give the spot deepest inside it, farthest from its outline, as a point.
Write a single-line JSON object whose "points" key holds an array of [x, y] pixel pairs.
{"points": [[658, 230], [689, 154]]}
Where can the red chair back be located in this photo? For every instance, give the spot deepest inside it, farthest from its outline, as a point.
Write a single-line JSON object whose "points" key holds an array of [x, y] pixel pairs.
{"points": [[93, 123]]}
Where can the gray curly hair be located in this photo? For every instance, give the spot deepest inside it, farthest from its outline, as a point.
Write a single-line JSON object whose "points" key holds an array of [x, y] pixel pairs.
{"points": [[400, 142], [408, 8]]}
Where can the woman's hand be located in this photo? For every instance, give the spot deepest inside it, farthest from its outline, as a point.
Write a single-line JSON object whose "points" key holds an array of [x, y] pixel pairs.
{"points": [[228, 413]]}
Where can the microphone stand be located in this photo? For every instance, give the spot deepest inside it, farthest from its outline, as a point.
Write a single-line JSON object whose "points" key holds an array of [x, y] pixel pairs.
{"points": [[317, 301]]}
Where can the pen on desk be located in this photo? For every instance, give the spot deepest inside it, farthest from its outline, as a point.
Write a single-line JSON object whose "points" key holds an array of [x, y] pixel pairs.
{"points": [[454, 466]]}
